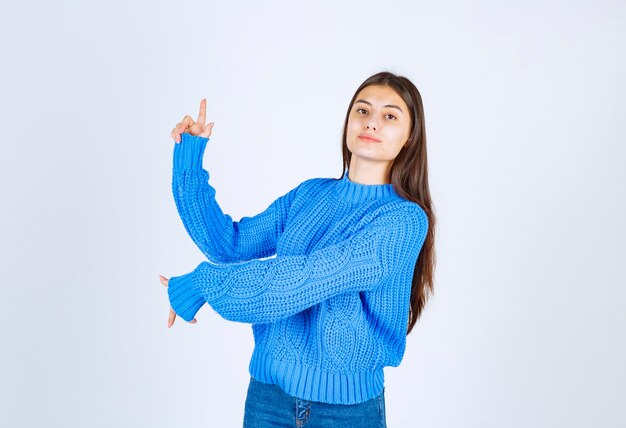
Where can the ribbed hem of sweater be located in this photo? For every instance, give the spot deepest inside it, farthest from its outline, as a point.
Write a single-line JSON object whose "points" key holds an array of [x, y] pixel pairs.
{"points": [[313, 384], [185, 298], [189, 152]]}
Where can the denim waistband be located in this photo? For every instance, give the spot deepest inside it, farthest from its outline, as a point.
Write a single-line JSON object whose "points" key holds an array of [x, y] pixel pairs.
{"points": [[268, 405]]}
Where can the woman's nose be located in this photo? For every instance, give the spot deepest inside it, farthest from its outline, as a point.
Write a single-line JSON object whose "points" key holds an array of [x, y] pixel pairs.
{"points": [[371, 124]]}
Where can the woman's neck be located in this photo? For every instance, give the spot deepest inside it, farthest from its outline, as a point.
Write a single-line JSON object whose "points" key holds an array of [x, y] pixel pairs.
{"points": [[367, 172]]}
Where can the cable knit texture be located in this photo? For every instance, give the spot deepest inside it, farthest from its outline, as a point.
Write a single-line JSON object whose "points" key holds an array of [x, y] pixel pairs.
{"points": [[329, 301]]}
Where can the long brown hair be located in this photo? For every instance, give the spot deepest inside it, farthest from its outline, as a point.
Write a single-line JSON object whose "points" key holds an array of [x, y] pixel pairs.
{"points": [[409, 176]]}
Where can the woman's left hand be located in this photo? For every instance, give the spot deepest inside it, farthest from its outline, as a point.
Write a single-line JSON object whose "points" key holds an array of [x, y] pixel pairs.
{"points": [[172, 317]]}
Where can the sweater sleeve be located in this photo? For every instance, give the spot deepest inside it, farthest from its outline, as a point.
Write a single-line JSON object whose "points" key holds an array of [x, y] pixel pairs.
{"points": [[265, 291], [215, 233]]}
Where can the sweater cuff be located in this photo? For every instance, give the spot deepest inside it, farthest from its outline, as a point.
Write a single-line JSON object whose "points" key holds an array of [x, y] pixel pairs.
{"points": [[185, 298], [189, 152]]}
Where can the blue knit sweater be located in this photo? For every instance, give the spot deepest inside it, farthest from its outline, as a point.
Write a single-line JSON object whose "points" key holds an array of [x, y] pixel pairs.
{"points": [[330, 310]]}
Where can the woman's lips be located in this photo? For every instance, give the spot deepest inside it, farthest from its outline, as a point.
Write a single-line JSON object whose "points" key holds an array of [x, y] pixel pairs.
{"points": [[368, 138]]}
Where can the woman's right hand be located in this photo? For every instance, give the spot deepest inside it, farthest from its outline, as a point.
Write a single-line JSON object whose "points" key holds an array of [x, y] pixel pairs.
{"points": [[194, 128]]}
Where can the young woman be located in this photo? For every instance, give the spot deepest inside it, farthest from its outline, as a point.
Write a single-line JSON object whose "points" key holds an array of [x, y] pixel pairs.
{"points": [[353, 266]]}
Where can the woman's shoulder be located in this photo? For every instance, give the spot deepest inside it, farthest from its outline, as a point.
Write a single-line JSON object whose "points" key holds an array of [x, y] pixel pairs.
{"points": [[414, 208], [402, 210], [315, 183]]}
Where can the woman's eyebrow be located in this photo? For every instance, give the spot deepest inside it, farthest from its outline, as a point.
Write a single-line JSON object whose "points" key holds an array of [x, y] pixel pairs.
{"points": [[388, 105]]}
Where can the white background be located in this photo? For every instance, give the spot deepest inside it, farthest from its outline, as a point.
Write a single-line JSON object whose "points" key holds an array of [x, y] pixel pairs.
{"points": [[525, 119]]}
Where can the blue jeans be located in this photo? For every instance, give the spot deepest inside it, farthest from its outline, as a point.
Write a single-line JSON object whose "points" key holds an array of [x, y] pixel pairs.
{"points": [[268, 406]]}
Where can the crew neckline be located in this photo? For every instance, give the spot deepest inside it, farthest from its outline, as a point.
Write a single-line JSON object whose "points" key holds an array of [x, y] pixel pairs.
{"points": [[356, 192]]}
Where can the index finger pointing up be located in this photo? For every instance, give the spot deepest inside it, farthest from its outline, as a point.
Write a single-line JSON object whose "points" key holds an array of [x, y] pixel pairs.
{"points": [[202, 114]]}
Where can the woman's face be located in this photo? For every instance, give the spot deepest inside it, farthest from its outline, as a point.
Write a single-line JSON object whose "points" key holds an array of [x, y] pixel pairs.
{"points": [[380, 113]]}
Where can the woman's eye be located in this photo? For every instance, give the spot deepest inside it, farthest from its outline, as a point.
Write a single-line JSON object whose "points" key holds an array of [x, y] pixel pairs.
{"points": [[360, 110], [392, 116]]}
